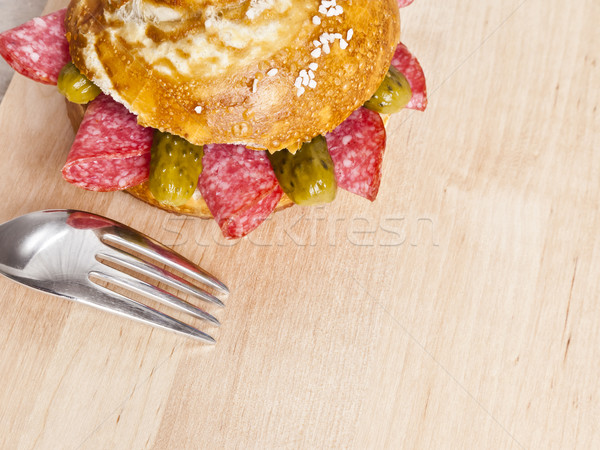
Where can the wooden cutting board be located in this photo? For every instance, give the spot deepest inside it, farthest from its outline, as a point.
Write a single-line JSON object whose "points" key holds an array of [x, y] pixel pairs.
{"points": [[460, 310]]}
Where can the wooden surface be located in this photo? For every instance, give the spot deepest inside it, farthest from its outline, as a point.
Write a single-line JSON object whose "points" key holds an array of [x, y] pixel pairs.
{"points": [[460, 310]]}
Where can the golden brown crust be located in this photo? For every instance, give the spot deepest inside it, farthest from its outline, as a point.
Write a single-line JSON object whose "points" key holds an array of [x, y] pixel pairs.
{"points": [[236, 101]]}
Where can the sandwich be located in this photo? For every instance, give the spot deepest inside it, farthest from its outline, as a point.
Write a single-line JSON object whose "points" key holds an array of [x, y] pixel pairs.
{"points": [[231, 109]]}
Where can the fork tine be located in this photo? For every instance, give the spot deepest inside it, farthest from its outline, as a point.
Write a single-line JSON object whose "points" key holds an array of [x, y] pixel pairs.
{"points": [[133, 240], [134, 263], [141, 287], [113, 302]]}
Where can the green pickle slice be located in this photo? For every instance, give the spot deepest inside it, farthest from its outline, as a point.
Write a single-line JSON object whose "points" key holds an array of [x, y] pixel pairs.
{"points": [[75, 86], [307, 176], [175, 165], [393, 93]]}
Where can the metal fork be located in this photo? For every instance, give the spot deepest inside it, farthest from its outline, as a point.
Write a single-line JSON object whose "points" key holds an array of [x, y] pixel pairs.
{"points": [[64, 253]]}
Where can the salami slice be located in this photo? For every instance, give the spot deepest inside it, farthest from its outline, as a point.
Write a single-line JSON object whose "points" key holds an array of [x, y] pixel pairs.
{"points": [[403, 3], [111, 151], [406, 63], [356, 147], [239, 187], [37, 49]]}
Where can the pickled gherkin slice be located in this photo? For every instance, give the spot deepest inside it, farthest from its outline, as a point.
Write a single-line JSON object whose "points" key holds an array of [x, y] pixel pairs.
{"points": [[393, 93], [175, 166], [307, 176], [75, 86]]}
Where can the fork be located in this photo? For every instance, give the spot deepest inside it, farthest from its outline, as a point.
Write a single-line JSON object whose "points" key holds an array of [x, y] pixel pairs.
{"points": [[65, 253]]}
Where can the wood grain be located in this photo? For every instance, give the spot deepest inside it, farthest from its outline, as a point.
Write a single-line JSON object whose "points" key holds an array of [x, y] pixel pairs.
{"points": [[460, 310]]}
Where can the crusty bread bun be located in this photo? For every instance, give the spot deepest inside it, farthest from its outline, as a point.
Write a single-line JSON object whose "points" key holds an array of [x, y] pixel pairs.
{"points": [[269, 74]]}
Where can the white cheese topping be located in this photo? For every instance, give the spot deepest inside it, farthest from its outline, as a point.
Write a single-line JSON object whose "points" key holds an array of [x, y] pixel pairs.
{"points": [[139, 11], [257, 7], [213, 50]]}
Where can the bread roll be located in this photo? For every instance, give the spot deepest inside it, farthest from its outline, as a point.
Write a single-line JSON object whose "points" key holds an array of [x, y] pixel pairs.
{"points": [[269, 74]]}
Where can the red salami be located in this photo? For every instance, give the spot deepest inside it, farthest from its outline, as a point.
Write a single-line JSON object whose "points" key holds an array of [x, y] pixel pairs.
{"points": [[37, 49], [406, 63], [111, 151], [356, 147], [403, 3], [239, 187]]}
